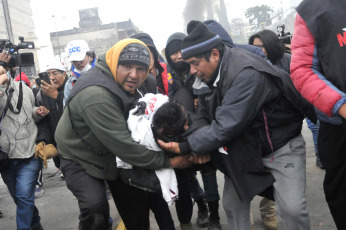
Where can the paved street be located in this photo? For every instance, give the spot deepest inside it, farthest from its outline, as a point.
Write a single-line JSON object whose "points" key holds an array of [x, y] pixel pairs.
{"points": [[59, 210]]}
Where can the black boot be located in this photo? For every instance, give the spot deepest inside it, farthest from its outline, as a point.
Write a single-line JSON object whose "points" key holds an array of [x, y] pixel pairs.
{"points": [[38, 227], [202, 215], [214, 218]]}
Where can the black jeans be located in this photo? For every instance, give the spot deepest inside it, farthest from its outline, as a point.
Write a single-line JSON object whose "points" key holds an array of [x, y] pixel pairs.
{"points": [[132, 204], [91, 196], [160, 208], [183, 205], [332, 151]]}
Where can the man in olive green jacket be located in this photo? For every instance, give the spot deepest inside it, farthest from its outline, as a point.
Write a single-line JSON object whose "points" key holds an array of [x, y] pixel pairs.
{"points": [[93, 131]]}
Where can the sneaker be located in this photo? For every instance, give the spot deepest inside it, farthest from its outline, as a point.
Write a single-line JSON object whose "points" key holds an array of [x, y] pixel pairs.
{"points": [[38, 192], [62, 176], [270, 223]]}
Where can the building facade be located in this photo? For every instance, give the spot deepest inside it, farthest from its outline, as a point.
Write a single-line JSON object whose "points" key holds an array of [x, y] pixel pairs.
{"points": [[100, 37]]}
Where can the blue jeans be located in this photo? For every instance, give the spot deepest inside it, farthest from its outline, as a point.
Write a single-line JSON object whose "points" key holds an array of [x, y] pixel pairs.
{"points": [[20, 177], [210, 192]]}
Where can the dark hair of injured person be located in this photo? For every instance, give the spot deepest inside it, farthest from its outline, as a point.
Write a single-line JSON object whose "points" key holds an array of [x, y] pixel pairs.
{"points": [[169, 122]]}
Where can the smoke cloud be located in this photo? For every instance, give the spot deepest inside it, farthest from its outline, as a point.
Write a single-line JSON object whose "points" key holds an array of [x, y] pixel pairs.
{"points": [[202, 10]]}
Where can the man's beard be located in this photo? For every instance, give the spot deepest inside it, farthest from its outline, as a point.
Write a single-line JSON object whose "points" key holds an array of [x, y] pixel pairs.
{"points": [[180, 66]]}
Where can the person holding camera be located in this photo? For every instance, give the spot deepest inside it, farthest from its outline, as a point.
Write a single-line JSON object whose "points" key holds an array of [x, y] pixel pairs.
{"points": [[19, 168]]}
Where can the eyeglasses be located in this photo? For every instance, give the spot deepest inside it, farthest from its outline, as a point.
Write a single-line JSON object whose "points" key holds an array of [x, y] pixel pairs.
{"points": [[54, 73], [259, 46]]}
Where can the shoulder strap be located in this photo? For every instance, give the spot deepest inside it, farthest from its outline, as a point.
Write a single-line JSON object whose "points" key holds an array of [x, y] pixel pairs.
{"points": [[9, 93]]}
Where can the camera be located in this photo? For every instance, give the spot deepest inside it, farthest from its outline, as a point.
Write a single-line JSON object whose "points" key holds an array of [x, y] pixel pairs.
{"points": [[285, 38], [18, 59]]}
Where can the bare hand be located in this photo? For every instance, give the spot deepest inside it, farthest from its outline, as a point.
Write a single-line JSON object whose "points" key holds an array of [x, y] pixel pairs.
{"points": [[5, 57], [51, 90], [172, 147], [3, 76], [200, 159], [342, 111], [195, 103], [181, 162], [42, 111]]}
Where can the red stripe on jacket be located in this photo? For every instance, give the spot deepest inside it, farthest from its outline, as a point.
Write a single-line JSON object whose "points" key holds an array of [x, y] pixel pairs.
{"points": [[309, 84]]}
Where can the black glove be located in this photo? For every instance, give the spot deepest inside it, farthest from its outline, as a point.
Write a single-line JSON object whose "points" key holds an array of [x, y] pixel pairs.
{"points": [[141, 106]]}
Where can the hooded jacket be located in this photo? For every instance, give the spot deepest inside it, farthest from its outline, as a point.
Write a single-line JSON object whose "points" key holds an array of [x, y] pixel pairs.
{"points": [[98, 108], [176, 79], [248, 97], [216, 28]]}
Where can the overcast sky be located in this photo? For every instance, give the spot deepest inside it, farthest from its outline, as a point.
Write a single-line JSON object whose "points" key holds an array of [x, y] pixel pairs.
{"points": [[159, 18]]}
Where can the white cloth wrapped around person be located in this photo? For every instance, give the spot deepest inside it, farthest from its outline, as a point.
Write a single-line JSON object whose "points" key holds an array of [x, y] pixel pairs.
{"points": [[141, 132]]}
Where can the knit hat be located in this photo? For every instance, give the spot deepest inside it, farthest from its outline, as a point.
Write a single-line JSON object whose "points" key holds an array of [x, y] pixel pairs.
{"points": [[113, 55], [199, 40], [135, 53], [148, 41], [24, 79]]}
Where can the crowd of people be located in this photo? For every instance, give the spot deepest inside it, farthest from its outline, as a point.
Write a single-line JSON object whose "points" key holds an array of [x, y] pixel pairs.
{"points": [[143, 125]]}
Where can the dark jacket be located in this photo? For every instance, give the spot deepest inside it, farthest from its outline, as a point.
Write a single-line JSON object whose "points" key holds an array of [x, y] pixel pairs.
{"points": [[46, 127], [179, 82], [248, 91]]}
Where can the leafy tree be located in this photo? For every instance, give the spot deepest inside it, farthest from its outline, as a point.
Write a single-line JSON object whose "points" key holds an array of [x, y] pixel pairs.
{"points": [[258, 15]]}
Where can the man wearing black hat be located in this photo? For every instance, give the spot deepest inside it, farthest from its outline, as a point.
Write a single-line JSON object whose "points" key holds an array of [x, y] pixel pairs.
{"points": [[255, 116], [93, 131], [157, 70]]}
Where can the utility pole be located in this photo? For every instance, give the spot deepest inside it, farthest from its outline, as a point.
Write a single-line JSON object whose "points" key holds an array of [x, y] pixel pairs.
{"points": [[8, 20], [57, 37]]}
